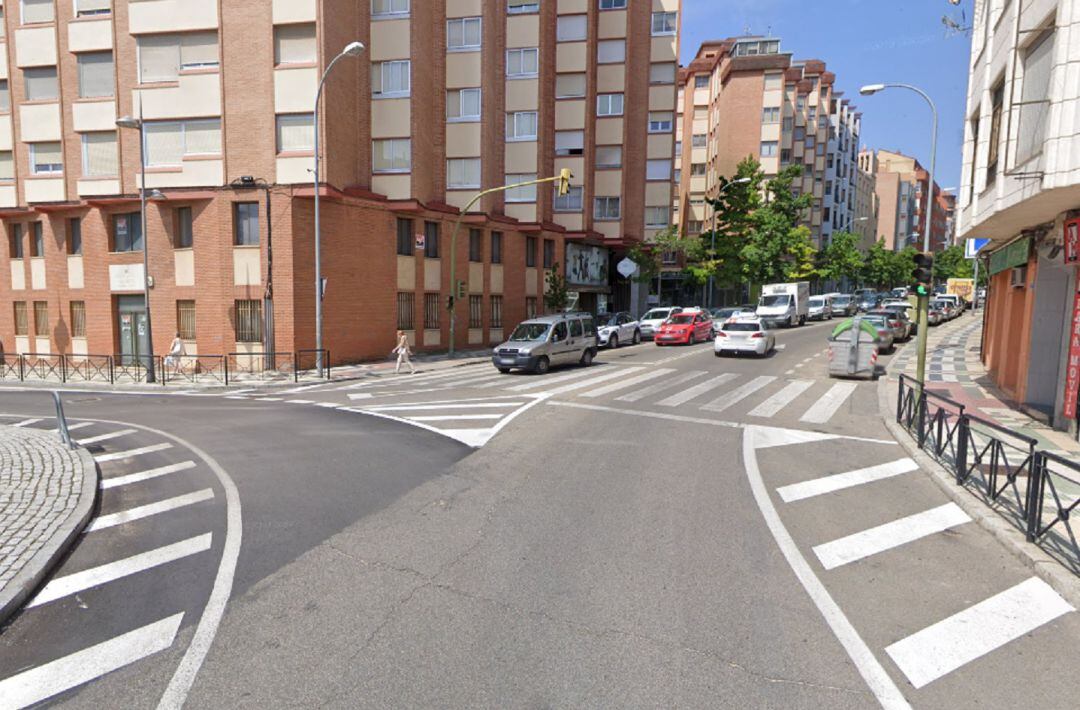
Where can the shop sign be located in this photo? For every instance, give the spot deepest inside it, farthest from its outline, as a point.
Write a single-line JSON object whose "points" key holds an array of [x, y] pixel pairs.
{"points": [[586, 265], [1072, 241], [1072, 369], [126, 277], [421, 240], [1016, 254]]}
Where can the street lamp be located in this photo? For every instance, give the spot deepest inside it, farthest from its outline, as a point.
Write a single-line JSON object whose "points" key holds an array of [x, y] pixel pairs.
{"points": [[738, 181], [924, 300], [137, 123], [353, 49]]}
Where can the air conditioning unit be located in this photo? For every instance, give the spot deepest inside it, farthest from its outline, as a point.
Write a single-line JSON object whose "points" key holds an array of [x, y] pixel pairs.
{"points": [[1018, 277]]}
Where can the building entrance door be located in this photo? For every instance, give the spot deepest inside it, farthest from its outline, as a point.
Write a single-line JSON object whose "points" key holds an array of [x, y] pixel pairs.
{"points": [[131, 317]]}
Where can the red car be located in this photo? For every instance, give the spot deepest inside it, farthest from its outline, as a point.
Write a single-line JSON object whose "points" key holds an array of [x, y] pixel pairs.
{"points": [[687, 328]]}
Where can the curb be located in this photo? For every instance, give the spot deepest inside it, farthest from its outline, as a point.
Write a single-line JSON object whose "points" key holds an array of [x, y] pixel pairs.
{"points": [[26, 582], [1039, 562]]}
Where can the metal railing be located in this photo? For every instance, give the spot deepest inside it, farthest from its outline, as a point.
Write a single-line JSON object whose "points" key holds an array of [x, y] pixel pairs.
{"points": [[133, 368], [310, 363], [195, 368], [11, 367], [44, 366], [1053, 499], [245, 367], [88, 368]]}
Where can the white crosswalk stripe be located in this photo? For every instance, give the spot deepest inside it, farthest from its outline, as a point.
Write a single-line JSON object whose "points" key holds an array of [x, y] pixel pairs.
{"points": [[539, 381], [824, 409], [738, 394], [976, 631], [608, 375], [145, 511], [131, 453], [629, 382], [660, 387], [27, 422], [696, 391], [840, 481], [146, 475], [432, 406], [80, 425], [890, 535], [104, 437], [781, 399]]}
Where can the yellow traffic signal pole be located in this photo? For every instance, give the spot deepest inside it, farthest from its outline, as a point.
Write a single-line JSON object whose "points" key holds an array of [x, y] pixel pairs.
{"points": [[563, 180]]}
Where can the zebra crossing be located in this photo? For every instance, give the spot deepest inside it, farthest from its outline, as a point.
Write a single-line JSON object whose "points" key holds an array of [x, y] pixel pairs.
{"points": [[143, 538]]}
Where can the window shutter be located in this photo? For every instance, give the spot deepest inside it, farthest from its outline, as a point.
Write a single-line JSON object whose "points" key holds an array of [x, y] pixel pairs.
{"points": [[570, 85], [296, 133], [202, 137], [294, 44], [100, 154], [37, 11], [40, 83], [7, 166], [159, 59], [164, 143], [95, 75], [198, 49], [47, 154], [5, 96], [86, 6]]}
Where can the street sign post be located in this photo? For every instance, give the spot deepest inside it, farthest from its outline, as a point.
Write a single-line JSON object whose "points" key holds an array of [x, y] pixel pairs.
{"points": [[627, 267], [973, 246]]}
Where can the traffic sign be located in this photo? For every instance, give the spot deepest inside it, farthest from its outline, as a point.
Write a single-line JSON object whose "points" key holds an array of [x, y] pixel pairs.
{"points": [[627, 267], [973, 246]]}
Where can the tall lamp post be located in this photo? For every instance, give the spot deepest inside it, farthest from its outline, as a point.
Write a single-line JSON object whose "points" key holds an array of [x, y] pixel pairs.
{"points": [[137, 123], [739, 181], [924, 299], [353, 49]]}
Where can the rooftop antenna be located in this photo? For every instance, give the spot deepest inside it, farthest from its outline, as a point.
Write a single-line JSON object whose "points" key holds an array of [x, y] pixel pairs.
{"points": [[746, 31]]}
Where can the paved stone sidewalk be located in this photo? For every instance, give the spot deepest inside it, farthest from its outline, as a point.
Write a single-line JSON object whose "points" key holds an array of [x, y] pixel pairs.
{"points": [[47, 494]]}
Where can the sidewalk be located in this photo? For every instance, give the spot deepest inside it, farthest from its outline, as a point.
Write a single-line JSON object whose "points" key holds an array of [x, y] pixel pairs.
{"points": [[47, 494]]}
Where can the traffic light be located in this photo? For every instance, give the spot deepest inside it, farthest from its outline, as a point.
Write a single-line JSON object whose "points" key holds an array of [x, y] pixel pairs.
{"points": [[923, 274], [564, 182], [449, 303]]}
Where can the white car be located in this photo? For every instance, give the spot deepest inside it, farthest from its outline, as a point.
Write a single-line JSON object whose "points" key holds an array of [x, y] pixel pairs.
{"points": [[820, 308], [744, 335], [617, 329], [650, 322]]}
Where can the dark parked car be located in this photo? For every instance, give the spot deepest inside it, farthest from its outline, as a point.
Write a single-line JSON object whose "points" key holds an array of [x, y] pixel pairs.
{"points": [[844, 306]]}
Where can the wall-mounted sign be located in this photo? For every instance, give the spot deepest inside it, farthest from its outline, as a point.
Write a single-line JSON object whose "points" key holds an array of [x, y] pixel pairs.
{"points": [[126, 277], [421, 240], [1016, 254], [586, 265], [1072, 367], [1072, 241], [627, 267]]}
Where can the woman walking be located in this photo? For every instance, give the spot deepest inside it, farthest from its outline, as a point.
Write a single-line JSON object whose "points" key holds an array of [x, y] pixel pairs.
{"points": [[403, 353]]}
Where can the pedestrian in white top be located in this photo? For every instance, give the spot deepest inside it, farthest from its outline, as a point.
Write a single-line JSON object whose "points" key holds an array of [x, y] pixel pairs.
{"points": [[403, 353], [176, 351]]}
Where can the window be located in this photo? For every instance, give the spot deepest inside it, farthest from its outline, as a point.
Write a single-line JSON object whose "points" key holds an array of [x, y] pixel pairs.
{"points": [[828, 187], [697, 168], [799, 133], [678, 147], [390, 79], [974, 153], [95, 74], [522, 62], [248, 324], [78, 318], [1035, 103], [295, 133], [699, 140], [520, 7], [664, 23], [392, 155], [677, 177], [811, 114], [16, 241], [169, 142], [99, 154], [606, 208], [41, 318], [549, 254], [610, 51], [404, 237], [997, 98], [609, 156], [701, 81], [45, 159], [820, 149], [612, 4], [669, 257], [163, 57], [774, 81], [770, 114], [5, 96], [41, 83], [496, 247], [569, 86], [658, 169], [463, 33], [521, 194], [476, 311], [695, 226], [662, 73], [87, 8], [569, 142], [37, 240], [495, 308], [570, 28], [476, 244], [609, 104], [530, 306], [74, 236], [571, 201], [185, 319], [521, 126], [462, 173], [185, 232], [246, 224], [463, 105], [432, 311], [431, 240], [660, 121], [389, 7], [21, 325], [295, 44], [37, 11], [406, 310], [657, 217], [530, 251]]}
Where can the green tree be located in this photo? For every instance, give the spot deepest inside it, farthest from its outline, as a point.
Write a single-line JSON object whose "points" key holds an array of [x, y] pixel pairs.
{"points": [[876, 268], [732, 222], [951, 264], [841, 258], [902, 266], [556, 294], [775, 245]]}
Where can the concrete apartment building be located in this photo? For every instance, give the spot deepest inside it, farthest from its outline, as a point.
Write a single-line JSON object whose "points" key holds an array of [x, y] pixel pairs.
{"points": [[902, 189], [1021, 190], [449, 98], [742, 97], [866, 199]]}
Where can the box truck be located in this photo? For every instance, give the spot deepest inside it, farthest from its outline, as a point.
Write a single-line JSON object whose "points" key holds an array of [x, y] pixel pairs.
{"points": [[784, 304]]}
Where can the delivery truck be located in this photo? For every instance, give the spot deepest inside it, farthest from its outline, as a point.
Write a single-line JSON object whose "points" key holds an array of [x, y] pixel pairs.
{"points": [[784, 304]]}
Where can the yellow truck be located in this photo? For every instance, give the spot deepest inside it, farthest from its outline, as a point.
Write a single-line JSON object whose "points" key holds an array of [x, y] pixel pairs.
{"points": [[963, 288]]}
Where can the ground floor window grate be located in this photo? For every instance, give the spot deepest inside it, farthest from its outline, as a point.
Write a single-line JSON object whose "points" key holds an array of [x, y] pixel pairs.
{"points": [[185, 319], [406, 311], [476, 311], [248, 321], [431, 311], [496, 311]]}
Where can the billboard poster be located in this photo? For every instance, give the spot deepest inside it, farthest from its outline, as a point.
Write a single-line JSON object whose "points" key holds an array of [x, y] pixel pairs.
{"points": [[1072, 241], [586, 265], [1072, 368]]}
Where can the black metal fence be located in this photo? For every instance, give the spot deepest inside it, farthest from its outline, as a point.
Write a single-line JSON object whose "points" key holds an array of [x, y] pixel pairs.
{"points": [[1034, 490]]}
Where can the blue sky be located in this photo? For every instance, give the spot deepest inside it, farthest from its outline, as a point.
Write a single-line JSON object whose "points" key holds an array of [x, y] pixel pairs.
{"points": [[865, 42]]}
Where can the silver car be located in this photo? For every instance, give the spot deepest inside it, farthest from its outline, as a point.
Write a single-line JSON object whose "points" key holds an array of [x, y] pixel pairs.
{"points": [[618, 329], [651, 321], [539, 344]]}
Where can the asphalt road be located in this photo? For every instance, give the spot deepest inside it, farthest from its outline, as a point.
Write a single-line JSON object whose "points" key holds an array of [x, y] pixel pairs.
{"points": [[666, 528]]}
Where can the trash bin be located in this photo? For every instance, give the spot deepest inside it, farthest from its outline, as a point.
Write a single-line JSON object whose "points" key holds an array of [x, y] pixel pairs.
{"points": [[853, 349]]}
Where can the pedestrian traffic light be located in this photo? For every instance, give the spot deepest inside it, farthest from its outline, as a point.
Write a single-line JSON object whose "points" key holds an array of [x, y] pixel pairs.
{"points": [[461, 289], [564, 182], [450, 303], [923, 274]]}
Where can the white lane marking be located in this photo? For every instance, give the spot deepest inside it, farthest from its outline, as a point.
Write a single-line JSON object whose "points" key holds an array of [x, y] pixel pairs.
{"points": [[696, 391], [693, 351], [112, 571], [789, 372], [41, 683], [890, 535], [27, 422], [823, 409], [881, 685], [146, 475], [456, 417], [267, 399], [974, 632], [411, 407], [738, 394], [781, 399], [131, 453], [660, 387], [299, 401], [145, 511], [235, 396], [580, 384], [242, 391], [328, 405], [537, 381], [630, 382], [840, 481], [780, 346], [105, 437], [80, 425]]}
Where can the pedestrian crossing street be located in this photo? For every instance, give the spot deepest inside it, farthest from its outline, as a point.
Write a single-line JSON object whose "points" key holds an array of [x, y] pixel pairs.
{"points": [[982, 625], [159, 515]]}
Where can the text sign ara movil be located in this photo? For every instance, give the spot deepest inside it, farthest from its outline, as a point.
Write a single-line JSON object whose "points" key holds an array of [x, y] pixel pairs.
{"points": [[627, 267]]}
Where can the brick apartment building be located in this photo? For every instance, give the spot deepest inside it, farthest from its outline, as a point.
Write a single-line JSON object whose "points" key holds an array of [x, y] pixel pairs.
{"points": [[450, 97], [902, 190]]}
